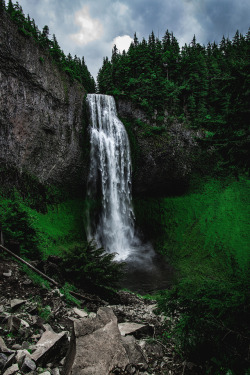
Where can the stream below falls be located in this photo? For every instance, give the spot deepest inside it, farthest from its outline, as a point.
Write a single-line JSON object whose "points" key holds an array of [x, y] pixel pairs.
{"points": [[150, 279]]}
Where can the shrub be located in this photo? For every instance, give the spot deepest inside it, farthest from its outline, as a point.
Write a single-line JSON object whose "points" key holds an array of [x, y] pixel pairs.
{"points": [[18, 225], [213, 325], [88, 266]]}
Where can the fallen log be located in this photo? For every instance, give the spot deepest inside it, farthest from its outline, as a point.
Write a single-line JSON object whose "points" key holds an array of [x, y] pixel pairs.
{"points": [[29, 265], [51, 281]]}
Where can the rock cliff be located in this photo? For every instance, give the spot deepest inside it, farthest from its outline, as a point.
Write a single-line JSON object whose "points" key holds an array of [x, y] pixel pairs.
{"points": [[164, 159], [41, 112]]}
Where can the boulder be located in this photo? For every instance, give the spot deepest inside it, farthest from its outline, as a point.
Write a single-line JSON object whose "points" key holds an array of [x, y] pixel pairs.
{"points": [[133, 350], [16, 303], [20, 355], [135, 329], [13, 323], [11, 370], [3, 360], [96, 346], [80, 313], [3, 347], [55, 371], [10, 360], [49, 347], [28, 365]]}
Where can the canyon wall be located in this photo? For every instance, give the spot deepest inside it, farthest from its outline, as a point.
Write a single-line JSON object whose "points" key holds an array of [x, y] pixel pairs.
{"points": [[41, 112], [163, 158]]}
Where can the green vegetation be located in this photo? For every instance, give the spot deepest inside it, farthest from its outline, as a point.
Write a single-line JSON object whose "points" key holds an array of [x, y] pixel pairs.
{"points": [[41, 234], [35, 277], [89, 266], [65, 290], [58, 231], [60, 227], [206, 87], [74, 67], [205, 235], [18, 226]]}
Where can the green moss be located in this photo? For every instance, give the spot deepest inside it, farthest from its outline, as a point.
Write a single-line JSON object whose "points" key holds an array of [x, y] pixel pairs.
{"points": [[205, 234], [62, 225], [201, 230]]}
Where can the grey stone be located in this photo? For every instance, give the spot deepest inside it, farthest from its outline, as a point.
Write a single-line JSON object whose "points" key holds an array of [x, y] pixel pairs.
{"points": [[25, 345], [55, 371], [24, 324], [3, 360], [11, 370], [134, 352], [13, 323], [80, 313], [16, 346], [3, 347], [28, 365], [10, 360], [20, 355], [130, 328], [7, 274], [96, 346], [16, 303], [47, 327], [48, 346]]}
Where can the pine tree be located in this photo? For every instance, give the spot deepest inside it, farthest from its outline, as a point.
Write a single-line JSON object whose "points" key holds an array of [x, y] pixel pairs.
{"points": [[10, 8], [135, 40], [2, 6]]}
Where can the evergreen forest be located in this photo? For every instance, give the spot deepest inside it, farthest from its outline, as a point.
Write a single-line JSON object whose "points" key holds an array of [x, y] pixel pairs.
{"points": [[205, 87]]}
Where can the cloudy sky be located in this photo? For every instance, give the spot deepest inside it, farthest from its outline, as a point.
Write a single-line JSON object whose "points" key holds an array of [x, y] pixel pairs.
{"points": [[90, 28]]}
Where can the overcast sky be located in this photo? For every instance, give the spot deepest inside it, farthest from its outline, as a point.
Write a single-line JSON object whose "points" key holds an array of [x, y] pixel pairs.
{"points": [[90, 28]]}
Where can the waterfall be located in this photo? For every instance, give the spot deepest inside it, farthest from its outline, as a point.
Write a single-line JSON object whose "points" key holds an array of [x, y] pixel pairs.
{"points": [[112, 225]]}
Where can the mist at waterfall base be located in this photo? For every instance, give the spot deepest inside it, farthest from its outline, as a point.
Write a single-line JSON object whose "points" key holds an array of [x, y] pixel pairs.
{"points": [[112, 222]]}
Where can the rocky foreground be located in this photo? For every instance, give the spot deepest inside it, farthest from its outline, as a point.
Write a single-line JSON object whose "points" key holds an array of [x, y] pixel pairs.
{"points": [[41, 333]]}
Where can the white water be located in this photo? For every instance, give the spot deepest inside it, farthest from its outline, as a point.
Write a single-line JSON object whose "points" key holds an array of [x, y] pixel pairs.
{"points": [[110, 178]]}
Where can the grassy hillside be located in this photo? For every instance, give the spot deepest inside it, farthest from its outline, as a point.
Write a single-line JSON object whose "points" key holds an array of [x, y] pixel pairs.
{"points": [[205, 234], [40, 234]]}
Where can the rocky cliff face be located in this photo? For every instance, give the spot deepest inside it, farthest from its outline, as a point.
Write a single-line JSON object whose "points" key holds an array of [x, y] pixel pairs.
{"points": [[41, 112], [163, 161]]}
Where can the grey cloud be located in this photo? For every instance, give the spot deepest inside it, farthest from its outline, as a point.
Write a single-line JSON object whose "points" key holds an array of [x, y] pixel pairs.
{"points": [[208, 19]]}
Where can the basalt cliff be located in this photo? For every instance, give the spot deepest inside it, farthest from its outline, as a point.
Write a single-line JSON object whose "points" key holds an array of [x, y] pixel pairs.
{"points": [[41, 112]]}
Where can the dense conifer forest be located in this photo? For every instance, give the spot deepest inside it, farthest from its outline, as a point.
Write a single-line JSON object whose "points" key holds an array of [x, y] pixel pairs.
{"points": [[206, 87]]}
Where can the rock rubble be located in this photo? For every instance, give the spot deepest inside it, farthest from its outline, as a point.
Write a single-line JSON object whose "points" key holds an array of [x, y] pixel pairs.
{"points": [[40, 333]]}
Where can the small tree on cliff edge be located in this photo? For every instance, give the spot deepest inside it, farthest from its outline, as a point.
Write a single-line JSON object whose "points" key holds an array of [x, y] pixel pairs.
{"points": [[2, 6]]}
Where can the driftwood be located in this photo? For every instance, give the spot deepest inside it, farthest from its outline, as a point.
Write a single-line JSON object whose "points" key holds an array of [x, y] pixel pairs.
{"points": [[51, 281]]}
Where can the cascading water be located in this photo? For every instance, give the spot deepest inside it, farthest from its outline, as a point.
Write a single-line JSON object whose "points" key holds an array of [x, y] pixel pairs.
{"points": [[111, 222], [110, 175]]}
